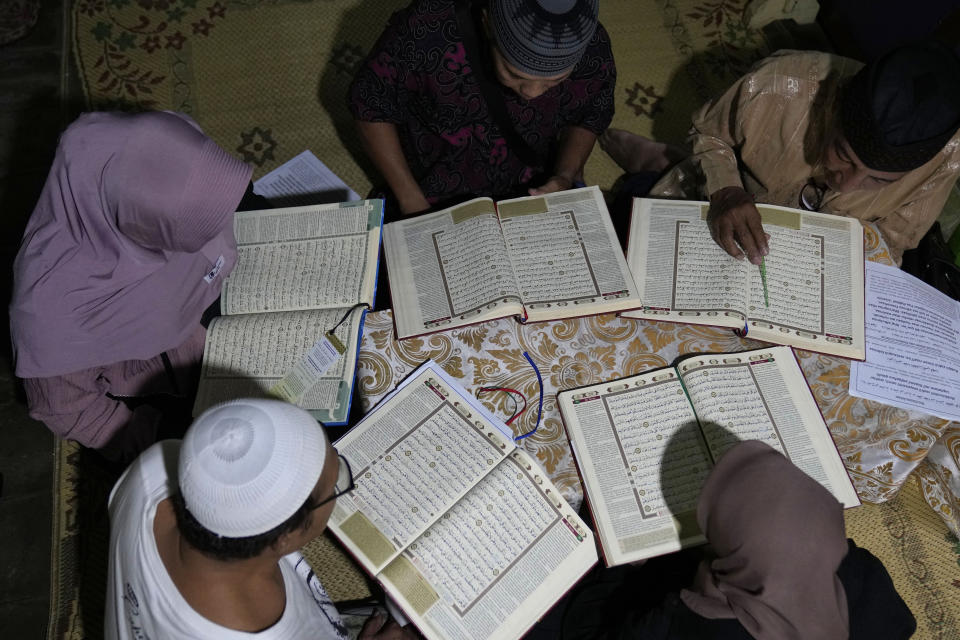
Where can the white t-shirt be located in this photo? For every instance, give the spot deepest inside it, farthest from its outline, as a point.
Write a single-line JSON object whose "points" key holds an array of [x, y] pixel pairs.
{"points": [[142, 601]]}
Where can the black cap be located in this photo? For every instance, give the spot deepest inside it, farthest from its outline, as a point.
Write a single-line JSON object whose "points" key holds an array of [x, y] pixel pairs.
{"points": [[900, 110]]}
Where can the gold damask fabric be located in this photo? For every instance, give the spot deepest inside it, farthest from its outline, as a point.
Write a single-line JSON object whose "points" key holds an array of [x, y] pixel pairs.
{"points": [[880, 445]]}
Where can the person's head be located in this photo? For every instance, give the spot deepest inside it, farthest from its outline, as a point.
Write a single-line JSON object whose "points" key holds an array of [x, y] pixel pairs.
{"points": [[537, 43], [894, 116], [129, 243], [256, 476], [776, 539], [170, 187]]}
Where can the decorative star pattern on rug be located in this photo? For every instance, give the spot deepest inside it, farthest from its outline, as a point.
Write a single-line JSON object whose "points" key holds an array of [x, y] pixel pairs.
{"points": [[257, 145], [643, 100]]}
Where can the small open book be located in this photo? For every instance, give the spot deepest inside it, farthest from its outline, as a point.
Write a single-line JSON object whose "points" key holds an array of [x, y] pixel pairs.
{"points": [[814, 276], [463, 530], [644, 445], [539, 258], [299, 272]]}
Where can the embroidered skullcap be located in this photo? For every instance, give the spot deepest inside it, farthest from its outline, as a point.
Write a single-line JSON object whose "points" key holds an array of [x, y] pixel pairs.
{"points": [[899, 111], [247, 465], [543, 37]]}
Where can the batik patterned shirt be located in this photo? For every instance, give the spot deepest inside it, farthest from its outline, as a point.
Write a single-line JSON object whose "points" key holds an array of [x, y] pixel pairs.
{"points": [[418, 78]]}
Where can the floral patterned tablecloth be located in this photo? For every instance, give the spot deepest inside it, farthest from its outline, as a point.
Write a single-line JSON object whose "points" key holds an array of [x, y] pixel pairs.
{"points": [[880, 445]]}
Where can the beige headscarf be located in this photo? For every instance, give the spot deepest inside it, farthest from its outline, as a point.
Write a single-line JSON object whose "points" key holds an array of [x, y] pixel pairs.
{"points": [[776, 540]]}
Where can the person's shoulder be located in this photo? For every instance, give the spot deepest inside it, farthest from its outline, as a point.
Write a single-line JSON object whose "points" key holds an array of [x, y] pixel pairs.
{"points": [[791, 75], [598, 54], [599, 44], [421, 26], [90, 127], [803, 66], [97, 135], [154, 471], [424, 14], [600, 35], [951, 153]]}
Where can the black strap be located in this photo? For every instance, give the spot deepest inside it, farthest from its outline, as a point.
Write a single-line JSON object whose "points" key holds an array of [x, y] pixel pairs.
{"points": [[170, 374], [934, 263], [468, 17]]}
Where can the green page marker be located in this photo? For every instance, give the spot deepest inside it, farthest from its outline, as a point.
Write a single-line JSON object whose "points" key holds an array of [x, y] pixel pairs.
{"points": [[763, 278]]}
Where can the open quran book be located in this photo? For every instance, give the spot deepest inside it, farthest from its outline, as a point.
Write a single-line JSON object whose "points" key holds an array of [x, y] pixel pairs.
{"points": [[814, 274], [539, 258], [464, 530], [299, 272], [644, 445]]}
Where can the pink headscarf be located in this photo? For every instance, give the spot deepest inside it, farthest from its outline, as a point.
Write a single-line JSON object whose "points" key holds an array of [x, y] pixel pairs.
{"points": [[778, 539], [128, 244]]}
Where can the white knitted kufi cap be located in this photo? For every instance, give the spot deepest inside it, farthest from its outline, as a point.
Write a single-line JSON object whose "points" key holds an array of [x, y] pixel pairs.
{"points": [[247, 465]]}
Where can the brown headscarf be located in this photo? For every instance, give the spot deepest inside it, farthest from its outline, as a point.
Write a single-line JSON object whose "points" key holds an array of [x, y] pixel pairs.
{"points": [[776, 540]]}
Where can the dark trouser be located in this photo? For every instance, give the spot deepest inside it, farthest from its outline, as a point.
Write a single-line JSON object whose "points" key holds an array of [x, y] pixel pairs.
{"points": [[596, 606], [628, 187]]}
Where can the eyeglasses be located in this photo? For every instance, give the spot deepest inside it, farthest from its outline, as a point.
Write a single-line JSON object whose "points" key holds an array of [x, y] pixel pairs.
{"points": [[344, 483], [811, 196]]}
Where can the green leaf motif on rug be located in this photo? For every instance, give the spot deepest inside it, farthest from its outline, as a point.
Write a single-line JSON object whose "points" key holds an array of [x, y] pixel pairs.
{"points": [[739, 35], [129, 69], [734, 47], [102, 31], [125, 41], [716, 13], [123, 84], [955, 543]]}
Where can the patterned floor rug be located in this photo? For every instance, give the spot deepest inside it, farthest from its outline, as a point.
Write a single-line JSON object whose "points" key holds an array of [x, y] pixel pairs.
{"points": [[267, 79], [920, 553]]}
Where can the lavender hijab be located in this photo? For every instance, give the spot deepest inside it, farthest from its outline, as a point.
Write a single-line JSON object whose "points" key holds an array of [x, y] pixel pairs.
{"points": [[128, 244], [778, 538]]}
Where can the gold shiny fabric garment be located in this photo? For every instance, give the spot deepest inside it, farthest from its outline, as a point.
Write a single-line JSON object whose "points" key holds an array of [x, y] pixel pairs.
{"points": [[767, 134]]}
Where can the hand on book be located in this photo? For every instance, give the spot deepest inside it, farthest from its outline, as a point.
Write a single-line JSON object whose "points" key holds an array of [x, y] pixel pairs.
{"points": [[380, 627], [735, 224]]}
